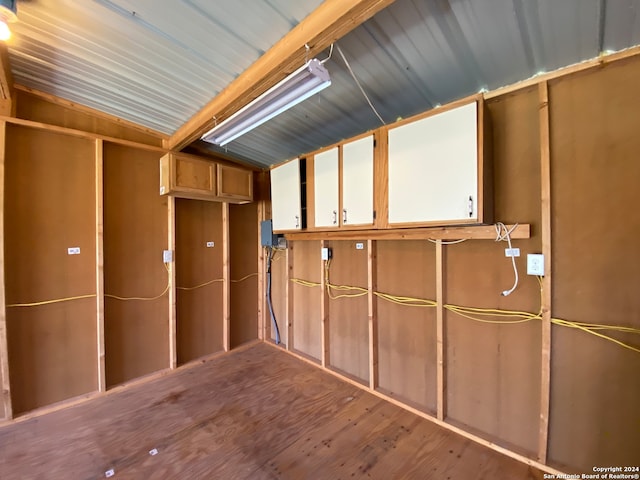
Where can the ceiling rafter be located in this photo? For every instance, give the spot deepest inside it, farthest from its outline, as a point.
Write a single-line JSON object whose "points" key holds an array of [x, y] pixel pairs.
{"points": [[325, 25]]}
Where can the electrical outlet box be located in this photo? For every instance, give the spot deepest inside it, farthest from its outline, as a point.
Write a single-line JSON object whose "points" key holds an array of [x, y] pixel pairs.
{"points": [[167, 256], [511, 252], [211, 244], [535, 264], [359, 246], [326, 253]]}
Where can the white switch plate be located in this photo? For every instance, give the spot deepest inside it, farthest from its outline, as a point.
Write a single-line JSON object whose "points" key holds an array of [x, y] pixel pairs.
{"points": [[73, 250], [167, 256], [535, 264], [359, 246], [211, 244]]}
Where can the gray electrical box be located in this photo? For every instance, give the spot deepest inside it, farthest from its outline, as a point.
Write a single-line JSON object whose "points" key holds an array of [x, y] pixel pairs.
{"points": [[267, 237]]}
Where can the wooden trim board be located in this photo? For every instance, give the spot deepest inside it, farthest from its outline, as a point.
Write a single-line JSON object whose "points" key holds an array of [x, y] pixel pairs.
{"points": [[171, 245], [372, 305], [324, 314], [4, 352], [226, 282], [441, 395], [288, 293], [100, 349], [545, 177]]}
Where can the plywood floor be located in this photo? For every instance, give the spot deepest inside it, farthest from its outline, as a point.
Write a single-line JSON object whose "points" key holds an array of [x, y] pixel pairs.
{"points": [[256, 413]]}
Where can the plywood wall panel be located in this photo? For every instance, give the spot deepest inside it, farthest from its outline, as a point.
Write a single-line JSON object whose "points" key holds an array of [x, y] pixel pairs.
{"points": [[135, 234], [243, 253], [49, 207], [493, 371], [407, 335], [349, 330], [199, 311], [596, 265], [306, 307]]}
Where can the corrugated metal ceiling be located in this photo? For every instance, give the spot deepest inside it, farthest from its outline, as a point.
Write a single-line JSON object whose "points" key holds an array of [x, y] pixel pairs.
{"points": [[158, 62]]}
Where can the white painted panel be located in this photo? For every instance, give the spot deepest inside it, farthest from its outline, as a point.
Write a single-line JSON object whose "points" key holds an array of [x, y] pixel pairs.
{"points": [[433, 168], [325, 179], [357, 182], [285, 196]]}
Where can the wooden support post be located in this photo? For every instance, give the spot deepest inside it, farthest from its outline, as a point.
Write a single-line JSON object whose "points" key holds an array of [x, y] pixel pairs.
{"points": [[545, 180], [288, 295], [372, 304], [226, 282], [171, 245], [324, 313], [102, 382], [7, 91], [262, 334], [440, 335], [4, 352]]}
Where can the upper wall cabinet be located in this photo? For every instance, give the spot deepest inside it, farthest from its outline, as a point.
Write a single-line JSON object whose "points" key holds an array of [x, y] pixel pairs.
{"points": [[343, 185], [187, 176], [436, 168], [286, 206]]}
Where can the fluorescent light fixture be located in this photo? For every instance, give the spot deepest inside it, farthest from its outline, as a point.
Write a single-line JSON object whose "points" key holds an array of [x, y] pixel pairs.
{"points": [[8, 14], [300, 85]]}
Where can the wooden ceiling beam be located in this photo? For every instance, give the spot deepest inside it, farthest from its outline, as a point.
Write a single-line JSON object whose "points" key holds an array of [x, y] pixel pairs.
{"points": [[7, 94], [332, 20]]}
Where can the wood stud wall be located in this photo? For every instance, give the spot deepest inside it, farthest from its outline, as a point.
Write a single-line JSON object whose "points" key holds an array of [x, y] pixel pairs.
{"points": [[500, 384], [98, 193]]}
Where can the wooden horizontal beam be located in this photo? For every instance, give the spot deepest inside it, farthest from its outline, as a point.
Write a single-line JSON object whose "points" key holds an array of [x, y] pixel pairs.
{"points": [[474, 232], [90, 111], [328, 23]]}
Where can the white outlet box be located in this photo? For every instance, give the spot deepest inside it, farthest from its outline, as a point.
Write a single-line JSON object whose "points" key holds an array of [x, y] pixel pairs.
{"points": [[73, 250], [359, 246], [211, 244], [167, 256], [325, 253], [511, 252], [109, 473], [535, 264]]}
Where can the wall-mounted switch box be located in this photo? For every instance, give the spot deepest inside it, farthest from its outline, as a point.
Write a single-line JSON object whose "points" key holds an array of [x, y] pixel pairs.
{"points": [[325, 253], [535, 264], [267, 237], [167, 256]]}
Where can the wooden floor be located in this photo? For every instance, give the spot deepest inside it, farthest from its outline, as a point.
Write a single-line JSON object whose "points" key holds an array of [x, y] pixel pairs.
{"points": [[257, 413]]}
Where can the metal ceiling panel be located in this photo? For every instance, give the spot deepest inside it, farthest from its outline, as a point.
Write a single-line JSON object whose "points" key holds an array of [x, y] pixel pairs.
{"points": [[157, 62], [154, 62]]}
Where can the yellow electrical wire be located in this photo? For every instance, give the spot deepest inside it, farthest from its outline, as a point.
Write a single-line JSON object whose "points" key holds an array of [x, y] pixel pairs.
{"points": [[144, 299], [201, 285], [244, 278], [472, 313], [49, 302]]}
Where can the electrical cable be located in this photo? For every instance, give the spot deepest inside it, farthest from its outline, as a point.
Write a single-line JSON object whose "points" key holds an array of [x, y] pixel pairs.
{"points": [[449, 242], [500, 237], [268, 295], [507, 317], [216, 281], [49, 302], [329, 57], [344, 59], [145, 299]]}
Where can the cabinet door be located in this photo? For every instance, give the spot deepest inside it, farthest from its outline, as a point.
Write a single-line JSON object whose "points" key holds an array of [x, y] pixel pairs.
{"points": [[285, 196], [433, 169], [325, 181], [235, 185], [357, 182]]}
